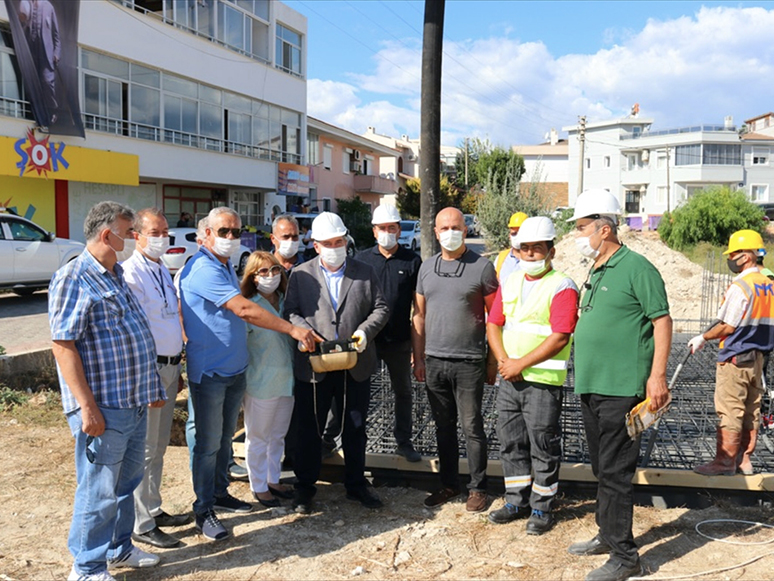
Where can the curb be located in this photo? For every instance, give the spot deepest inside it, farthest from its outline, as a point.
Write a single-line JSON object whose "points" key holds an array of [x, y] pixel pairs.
{"points": [[24, 362]]}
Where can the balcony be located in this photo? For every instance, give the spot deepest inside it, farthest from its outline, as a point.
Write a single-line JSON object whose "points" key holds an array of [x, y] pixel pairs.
{"points": [[375, 185]]}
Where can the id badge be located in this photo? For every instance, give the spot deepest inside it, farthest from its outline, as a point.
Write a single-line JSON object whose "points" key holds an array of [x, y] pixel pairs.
{"points": [[169, 313]]}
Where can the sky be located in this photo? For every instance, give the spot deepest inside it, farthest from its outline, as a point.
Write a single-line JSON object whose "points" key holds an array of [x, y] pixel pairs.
{"points": [[513, 70]]}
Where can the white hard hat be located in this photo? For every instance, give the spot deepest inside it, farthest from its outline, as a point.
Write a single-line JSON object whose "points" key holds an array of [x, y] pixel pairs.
{"points": [[536, 229], [385, 214], [596, 202], [328, 225]]}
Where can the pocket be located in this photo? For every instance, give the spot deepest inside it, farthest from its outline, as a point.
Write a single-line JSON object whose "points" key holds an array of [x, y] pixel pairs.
{"points": [[107, 449]]}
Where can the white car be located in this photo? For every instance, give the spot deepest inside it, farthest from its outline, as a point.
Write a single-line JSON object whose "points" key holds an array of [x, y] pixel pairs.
{"points": [[182, 246], [29, 256], [410, 235]]}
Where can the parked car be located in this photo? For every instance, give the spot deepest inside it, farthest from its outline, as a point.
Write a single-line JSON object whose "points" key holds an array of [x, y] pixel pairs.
{"points": [[306, 220], [474, 228], [182, 246], [29, 256], [410, 235]]}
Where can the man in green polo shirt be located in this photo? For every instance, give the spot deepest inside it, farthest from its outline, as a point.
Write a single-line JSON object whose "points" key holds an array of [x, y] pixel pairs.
{"points": [[622, 344]]}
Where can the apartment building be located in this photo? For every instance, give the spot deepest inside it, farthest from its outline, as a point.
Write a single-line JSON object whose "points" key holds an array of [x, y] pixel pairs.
{"points": [[547, 163], [186, 105]]}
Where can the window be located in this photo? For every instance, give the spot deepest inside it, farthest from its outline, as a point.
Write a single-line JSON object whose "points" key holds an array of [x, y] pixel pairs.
{"points": [[760, 156], [607, 161], [632, 201], [661, 195], [249, 206], [288, 56], [26, 232], [688, 154], [326, 204], [759, 192], [327, 156], [10, 83], [631, 161], [312, 149], [346, 158], [588, 163], [103, 98], [721, 154]]}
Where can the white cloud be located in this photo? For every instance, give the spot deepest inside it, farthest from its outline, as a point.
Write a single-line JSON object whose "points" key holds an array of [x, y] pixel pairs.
{"points": [[689, 70]]}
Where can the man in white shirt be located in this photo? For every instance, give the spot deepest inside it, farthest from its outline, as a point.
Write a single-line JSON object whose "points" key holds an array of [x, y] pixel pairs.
{"points": [[152, 284]]}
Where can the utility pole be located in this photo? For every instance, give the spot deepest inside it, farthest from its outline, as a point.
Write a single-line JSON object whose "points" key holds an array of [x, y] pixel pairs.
{"points": [[466, 163], [669, 193], [582, 138], [430, 138]]}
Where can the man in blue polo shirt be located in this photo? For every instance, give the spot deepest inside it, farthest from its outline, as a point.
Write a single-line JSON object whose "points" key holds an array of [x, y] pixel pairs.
{"points": [[214, 316]]}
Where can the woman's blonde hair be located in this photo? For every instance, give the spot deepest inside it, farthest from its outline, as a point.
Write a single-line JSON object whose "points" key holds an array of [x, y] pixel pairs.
{"points": [[257, 260]]}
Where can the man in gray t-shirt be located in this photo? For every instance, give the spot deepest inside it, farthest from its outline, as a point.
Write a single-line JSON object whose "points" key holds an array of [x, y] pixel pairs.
{"points": [[455, 288]]}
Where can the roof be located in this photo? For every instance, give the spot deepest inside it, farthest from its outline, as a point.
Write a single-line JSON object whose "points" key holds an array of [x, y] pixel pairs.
{"points": [[757, 137], [544, 149], [751, 119], [350, 138]]}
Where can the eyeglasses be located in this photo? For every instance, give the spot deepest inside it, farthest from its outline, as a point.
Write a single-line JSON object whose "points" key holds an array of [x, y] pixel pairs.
{"points": [[273, 271], [457, 271], [223, 232], [591, 289]]}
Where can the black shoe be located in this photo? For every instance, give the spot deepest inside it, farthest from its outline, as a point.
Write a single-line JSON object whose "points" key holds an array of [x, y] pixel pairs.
{"points": [[231, 504], [171, 520], [302, 505], [507, 513], [539, 522], [595, 546], [271, 503], [615, 571], [365, 497], [157, 538], [441, 496], [408, 452], [279, 493]]}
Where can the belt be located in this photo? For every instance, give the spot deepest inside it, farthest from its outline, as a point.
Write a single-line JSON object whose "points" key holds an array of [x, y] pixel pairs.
{"points": [[171, 360]]}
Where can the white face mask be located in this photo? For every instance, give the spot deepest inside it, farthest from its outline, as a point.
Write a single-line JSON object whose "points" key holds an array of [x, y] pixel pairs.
{"points": [[585, 248], [127, 249], [225, 247], [533, 268], [288, 248], [333, 257], [450, 240], [156, 247], [514, 244], [267, 284], [386, 239]]}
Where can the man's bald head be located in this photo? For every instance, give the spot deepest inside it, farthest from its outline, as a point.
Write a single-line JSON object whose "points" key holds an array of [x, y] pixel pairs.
{"points": [[448, 217]]}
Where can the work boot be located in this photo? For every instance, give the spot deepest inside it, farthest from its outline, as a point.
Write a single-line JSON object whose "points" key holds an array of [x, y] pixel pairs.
{"points": [[746, 448], [727, 448]]}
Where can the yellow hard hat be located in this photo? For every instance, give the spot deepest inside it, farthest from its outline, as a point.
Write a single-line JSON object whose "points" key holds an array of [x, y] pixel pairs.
{"points": [[744, 240], [517, 220]]}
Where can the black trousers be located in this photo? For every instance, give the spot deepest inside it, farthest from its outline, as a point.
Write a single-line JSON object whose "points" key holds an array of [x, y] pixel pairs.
{"points": [[312, 404], [614, 461]]}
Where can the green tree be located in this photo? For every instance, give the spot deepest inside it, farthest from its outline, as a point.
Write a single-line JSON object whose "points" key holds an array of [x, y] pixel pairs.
{"points": [[711, 215], [356, 216], [408, 201], [485, 158]]}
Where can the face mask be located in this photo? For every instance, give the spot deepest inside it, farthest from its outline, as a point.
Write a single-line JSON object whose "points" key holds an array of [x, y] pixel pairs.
{"points": [[585, 248], [333, 257], [514, 244], [267, 284], [224, 247], [126, 250], [386, 239], [533, 268], [451, 240], [288, 248], [734, 266], [156, 247]]}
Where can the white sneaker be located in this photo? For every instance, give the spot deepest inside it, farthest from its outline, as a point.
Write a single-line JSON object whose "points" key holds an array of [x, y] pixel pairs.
{"points": [[135, 558], [101, 576]]}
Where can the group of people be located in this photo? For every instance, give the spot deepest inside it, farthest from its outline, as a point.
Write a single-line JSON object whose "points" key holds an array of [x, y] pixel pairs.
{"points": [[119, 332]]}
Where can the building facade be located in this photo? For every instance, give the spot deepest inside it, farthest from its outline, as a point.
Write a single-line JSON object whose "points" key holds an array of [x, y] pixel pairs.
{"points": [[187, 105], [546, 163]]}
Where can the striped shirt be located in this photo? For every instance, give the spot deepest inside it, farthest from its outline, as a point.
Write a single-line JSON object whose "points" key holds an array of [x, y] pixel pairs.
{"points": [[96, 309]]}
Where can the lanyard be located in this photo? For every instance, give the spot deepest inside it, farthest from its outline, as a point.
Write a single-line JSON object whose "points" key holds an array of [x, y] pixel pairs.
{"points": [[159, 278]]}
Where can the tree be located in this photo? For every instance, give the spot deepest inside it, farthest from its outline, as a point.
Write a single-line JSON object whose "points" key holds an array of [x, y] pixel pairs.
{"points": [[711, 215], [356, 216], [408, 200], [483, 158]]}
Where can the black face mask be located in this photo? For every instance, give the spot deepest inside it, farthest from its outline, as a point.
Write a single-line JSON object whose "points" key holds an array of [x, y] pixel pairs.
{"points": [[734, 266]]}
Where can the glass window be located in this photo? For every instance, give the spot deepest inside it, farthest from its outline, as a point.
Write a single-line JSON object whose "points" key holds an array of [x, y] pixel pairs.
{"points": [[231, 27], [102, 97], [759, 193], [239, 128], [327, 157], [146, 76], [688, 154], [722, 154], [275, 129], [760, 156], [107, 65], [205, 17], [26, 232], [312, 148], [234, 102], [146, 106], [288, 49], [210, 121], [260, 39], [261, 133], [10, 83], [180, 86], [210, 94]]}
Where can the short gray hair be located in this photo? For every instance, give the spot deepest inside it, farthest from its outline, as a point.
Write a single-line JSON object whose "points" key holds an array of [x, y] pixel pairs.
{"points": [[104, 215], [222, 210], [284, 218], [200, 229], [139, 219], [611, 221]]}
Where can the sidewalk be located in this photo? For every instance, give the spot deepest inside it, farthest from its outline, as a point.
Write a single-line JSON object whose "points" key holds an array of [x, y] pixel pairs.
{"points": [[24, 333]]}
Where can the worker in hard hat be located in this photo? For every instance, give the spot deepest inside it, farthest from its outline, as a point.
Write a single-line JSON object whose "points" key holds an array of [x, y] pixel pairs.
{"points": [[396, 268], [338, 298], [746, 333], [507, 260], [622, 343], [530, 331]]}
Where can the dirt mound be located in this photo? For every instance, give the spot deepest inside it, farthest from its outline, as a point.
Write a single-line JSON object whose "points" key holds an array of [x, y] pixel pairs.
{"points": [[683, 278]]}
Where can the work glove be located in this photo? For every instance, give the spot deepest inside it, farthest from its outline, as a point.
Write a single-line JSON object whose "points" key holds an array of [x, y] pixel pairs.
{"points": [[696, 343], [360, 340]]}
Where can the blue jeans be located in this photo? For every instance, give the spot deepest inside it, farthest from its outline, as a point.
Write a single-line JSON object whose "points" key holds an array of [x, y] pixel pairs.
{"points": [[530, 442], [106, 475], [456, 386], [613, 460], [216, 401]]}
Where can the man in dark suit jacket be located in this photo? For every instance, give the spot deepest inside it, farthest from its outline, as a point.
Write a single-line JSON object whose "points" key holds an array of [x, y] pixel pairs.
{"points": [[42, 28], [338, 299]]}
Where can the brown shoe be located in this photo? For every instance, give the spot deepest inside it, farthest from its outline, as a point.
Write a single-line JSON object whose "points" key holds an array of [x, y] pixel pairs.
{"points": [[442, 496], [477, 501]]}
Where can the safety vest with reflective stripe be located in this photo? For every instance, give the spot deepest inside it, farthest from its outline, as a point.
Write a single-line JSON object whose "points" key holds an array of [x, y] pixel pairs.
{"points": [[756, 329], [527, 325]]}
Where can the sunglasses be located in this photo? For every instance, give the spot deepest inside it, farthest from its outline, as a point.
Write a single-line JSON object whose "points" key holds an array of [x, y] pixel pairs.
{"points": [[223, 232], [273, 271], [90, 455]]}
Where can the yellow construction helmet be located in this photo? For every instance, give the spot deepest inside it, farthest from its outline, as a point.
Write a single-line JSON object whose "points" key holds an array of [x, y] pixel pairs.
{"points": [[744, 240], [517, 220]]}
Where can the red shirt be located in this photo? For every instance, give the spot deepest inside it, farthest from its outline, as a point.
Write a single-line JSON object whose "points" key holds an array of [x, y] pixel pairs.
{"points": [[564, 308]]}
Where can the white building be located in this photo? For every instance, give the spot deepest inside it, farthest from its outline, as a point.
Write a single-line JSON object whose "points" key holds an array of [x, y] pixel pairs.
{"points": [[652, 172], [199, 102], [547, 163]]}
